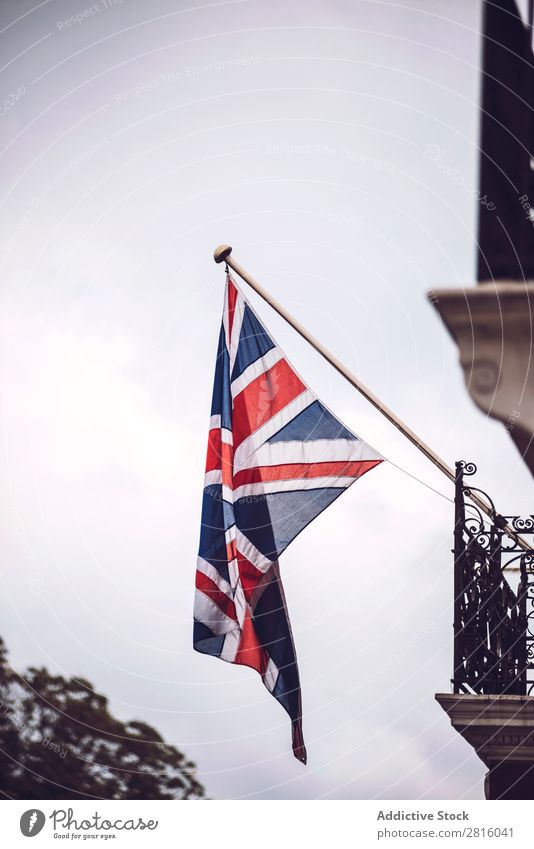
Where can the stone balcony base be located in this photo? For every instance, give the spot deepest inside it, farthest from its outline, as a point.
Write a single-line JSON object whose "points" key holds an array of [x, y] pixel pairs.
{"points": [[501, 731]]}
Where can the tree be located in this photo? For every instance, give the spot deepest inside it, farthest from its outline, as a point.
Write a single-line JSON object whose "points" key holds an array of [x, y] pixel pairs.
{"points": [[58, 740]]}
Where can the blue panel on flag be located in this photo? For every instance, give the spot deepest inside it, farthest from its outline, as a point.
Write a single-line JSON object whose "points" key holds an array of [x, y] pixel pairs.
{"points": [[272, 626], [315, 422], [252, 518], [290, 512], [205, 640], [221, 399], [228, 514], [254, 342], [272, 521], [287, 689], [212, 539]]}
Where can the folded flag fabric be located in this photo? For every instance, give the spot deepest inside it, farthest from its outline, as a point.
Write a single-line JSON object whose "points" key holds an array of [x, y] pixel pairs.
{"points": [[276, 459]]}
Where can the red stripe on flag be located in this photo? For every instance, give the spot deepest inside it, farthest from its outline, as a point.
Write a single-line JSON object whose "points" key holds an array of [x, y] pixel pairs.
{"points": [[213, 457], [250, 651], [298, 471], [227, 463], [249, 576], [220, 455], [209, 588], [232, 298], [231, 552], [264, 396]]}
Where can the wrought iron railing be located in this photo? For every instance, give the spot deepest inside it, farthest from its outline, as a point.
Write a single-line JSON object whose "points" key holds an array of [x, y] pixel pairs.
{"points": [[493, 599]]}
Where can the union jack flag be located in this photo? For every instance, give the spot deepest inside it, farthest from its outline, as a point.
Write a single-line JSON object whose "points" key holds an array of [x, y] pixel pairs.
{"points": [[276, 459]]}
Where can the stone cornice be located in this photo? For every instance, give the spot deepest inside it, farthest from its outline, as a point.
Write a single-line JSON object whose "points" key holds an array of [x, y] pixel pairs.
{"points": [[498, 727], [493, 326]]}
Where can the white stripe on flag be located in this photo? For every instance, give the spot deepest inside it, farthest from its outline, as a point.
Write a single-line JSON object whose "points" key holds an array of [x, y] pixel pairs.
{"points": [[206, 611], [227, 436], [250, 551], [276, 423], [314, 451], [271, 675], [256, 368], [227, 494], [231, 645], [212, 573], [226, 326], [270, 487], [235, 580], [213, 477], [239, 311]]}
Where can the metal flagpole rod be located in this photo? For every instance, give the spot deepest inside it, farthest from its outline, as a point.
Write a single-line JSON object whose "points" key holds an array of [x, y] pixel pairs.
{"points": [[223, 254]]}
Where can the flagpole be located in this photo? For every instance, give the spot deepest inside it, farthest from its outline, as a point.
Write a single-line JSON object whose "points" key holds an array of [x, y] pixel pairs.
{"points": [[223, 254]]}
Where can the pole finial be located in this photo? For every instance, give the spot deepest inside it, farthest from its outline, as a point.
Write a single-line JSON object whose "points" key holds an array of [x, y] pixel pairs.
{"points": [[221, 253]]}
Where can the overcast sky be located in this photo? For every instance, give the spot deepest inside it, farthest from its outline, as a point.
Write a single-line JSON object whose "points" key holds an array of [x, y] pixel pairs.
{"points": [[334, 145]]}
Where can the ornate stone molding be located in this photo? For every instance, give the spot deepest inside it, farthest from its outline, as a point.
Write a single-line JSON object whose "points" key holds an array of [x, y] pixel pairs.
{"points": [[493, 326], [497, 727]]}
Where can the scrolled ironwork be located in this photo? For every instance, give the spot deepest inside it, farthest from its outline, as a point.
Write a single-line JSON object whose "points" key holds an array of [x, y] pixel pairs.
{"points": [[521, 524], [467, 468], [493, 622]]}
